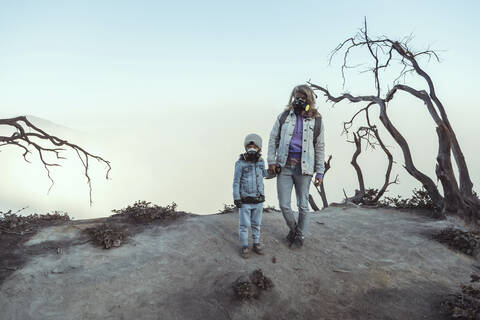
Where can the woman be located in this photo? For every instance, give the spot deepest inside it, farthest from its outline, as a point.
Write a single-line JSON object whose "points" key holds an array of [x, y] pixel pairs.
{"points": [[296, 150]]}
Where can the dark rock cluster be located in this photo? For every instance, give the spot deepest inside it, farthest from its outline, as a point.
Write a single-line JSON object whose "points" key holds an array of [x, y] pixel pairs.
{"points": [[466, 304], [246, 288], [465, 242]]}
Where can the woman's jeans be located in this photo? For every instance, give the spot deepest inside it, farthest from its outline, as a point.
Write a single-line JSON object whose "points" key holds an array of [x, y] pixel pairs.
{"points": [[288, 178], [250, 214]]}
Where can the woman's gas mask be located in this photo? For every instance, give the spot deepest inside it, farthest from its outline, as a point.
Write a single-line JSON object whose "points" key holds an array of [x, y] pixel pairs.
{"points": [[299, 104]]}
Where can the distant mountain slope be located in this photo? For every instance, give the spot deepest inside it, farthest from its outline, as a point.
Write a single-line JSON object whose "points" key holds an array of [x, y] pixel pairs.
{"points": [[51, 126]]}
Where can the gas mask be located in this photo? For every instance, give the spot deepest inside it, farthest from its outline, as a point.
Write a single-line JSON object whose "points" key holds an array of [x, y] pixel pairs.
{"points": [[252, 154], [299, 104]]}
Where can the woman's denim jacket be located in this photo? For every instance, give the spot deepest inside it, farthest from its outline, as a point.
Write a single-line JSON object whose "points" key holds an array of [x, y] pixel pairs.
{"points": [[313, 156]]}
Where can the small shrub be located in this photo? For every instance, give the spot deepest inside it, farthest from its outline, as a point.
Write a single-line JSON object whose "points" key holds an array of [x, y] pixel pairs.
{"points": [[107, 235], [143, 211], [227, 208], [419, 200], [270, 209], [13, 221], [230, 208], [370, 194]]}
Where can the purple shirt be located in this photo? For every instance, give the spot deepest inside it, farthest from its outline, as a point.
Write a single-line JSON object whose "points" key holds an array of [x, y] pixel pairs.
{"points": [[295, 147]]}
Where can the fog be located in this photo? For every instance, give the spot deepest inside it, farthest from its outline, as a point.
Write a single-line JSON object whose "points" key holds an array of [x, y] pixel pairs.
{"points": [[188, 157]]}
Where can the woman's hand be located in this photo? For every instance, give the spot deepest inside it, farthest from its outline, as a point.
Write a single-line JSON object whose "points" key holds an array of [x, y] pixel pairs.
{"points": [[271, 168], [318, 181]]}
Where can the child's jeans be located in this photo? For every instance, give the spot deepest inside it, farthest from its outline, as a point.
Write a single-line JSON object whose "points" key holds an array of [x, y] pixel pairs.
{"points": [[250, 214]]}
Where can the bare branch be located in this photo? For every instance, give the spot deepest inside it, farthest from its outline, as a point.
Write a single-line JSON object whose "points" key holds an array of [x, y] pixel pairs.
{"points": [[22, 139]]}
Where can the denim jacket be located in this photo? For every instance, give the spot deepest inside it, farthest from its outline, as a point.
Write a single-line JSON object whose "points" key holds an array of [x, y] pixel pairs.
{"points": [[248, 179], [313, 156]]}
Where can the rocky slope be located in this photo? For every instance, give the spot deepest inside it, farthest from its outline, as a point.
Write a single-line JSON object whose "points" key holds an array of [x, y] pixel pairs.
{"points": [[356, 264]]}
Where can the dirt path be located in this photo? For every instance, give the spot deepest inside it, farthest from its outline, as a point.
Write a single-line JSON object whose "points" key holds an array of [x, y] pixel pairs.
{"points": [[356, 264]]}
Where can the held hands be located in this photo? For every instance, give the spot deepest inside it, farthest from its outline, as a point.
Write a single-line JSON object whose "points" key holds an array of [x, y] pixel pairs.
{"points": [[271, 169]]}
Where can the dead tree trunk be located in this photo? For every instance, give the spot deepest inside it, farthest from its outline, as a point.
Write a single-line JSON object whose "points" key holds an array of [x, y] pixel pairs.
{"points": [[312, 203], [360, 193], [321, 192], [445, 173]]}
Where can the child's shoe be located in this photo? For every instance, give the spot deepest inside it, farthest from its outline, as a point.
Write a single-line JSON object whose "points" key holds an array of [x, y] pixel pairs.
{"points": [[244, 252], [257, 249]]}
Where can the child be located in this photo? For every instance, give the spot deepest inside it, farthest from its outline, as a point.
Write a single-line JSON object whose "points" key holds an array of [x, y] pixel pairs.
{"points": [[248, 192]]}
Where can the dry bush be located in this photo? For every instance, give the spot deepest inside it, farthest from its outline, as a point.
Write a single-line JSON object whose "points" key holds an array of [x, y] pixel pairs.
{"points": [[143, 211], [230, 208], [107, 235], [419, 200], [370, 194], [12, 222], [456, 239], [227, 208], [270, 209]]}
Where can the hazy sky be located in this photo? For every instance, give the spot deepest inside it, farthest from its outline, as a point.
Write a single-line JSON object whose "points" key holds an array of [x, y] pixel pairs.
{"points": [[168, 90]]}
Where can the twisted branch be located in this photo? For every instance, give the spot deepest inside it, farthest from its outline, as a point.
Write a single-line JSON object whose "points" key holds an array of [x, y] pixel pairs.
{"points": [[23, 140]]}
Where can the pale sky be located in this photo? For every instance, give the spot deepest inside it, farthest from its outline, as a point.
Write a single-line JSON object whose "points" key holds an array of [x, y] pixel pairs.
{"points": [[168, 90]]}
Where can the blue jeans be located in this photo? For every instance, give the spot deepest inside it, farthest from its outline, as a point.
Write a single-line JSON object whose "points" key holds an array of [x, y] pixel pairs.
{"points": [[288, 178], [250, 214]]}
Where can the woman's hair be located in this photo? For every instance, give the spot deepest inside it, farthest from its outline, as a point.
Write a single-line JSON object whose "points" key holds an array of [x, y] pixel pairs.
{"points": [[305, 89]]}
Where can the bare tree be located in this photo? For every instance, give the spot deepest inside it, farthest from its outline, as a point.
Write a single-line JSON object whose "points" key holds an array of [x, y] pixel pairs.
{"points": [[321, 189], [29, 137], [458, 197], [371, 136]]}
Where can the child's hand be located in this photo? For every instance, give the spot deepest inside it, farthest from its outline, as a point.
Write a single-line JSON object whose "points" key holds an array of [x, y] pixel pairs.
{"points": [[238, 203]]}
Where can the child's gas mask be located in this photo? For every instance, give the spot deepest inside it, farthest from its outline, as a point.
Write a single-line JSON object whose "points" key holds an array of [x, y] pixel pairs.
{"points": [[252, 154]]}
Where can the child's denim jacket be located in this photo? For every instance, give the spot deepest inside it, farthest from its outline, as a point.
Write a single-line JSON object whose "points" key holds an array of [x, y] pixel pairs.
{"points": [[248, 178]]}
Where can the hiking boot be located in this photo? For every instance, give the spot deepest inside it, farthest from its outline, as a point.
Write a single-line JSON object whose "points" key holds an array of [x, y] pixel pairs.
{"points": [[244, 252], [298, 241], [257, 249], [291, 237]]}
